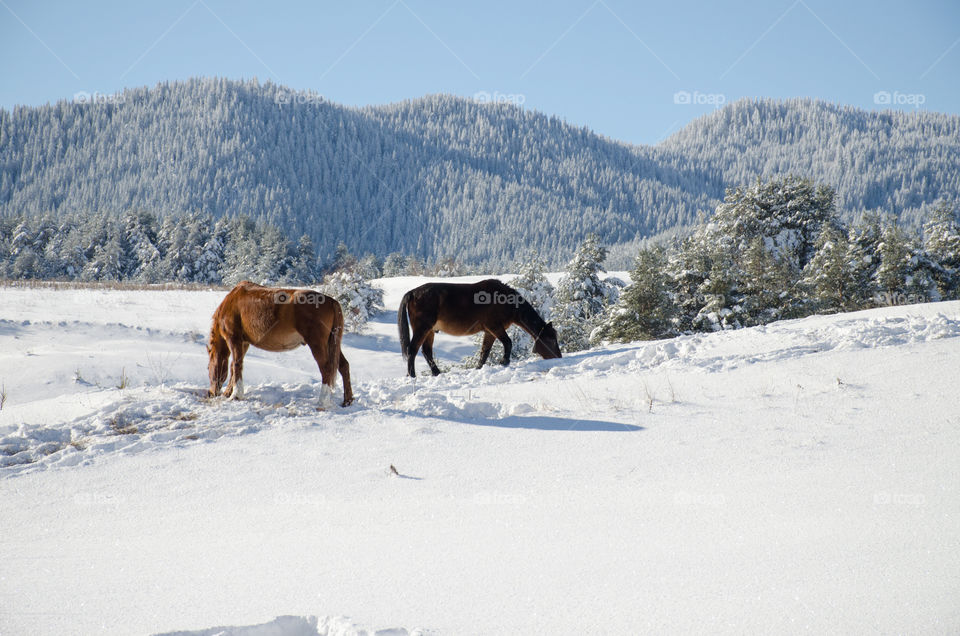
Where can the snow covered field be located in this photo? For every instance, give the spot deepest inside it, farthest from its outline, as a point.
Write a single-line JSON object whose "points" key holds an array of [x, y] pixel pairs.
{"points": [[802, 477]]}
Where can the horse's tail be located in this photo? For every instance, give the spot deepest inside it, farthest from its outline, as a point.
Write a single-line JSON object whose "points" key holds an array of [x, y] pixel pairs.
{"points": [[403, 324], [335, 338]]}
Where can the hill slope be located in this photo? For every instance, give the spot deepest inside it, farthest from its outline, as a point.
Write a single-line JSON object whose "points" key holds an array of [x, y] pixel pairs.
{"points": [[445, 176]]}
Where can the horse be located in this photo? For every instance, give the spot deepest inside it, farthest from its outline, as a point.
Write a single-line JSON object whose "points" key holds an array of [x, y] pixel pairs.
{"points": [[275, 319], [463, 309]]}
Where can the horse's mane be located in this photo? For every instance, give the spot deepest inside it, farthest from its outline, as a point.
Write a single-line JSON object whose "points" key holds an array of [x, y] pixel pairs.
{"points": [[529, 319]]}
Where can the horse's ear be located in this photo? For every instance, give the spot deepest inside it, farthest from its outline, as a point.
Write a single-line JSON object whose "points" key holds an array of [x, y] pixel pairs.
{"points": [[550, 324]]}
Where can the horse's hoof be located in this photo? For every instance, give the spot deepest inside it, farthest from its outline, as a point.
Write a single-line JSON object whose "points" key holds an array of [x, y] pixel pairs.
{"points": [[347, 402]]}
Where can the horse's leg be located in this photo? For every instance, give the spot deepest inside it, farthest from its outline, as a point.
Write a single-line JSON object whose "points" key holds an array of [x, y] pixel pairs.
{"points": [[345, 376], [235, 386], [502, 336], [419, 336], [428, 352], [328, 367], [485, 348]]}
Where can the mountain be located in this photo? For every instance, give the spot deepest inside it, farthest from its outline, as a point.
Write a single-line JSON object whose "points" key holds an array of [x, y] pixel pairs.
{"points": [[445, 176], [892, 161]]}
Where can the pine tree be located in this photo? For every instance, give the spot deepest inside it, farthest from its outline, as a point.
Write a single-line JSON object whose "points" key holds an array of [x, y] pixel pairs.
{"points": [[894, 268], [721, 294], [240, 258], [862, 261], [581, 296], [394, 264], [788, 212], [688, 267], [826, 279], [303, 268], [359, 299], [645, 309], [369, 267], [275, 255], [941, 241], [143, 256]]}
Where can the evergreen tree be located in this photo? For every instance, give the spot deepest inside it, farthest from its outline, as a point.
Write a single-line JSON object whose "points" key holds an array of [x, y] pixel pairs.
{"points": [[303, 269], [394, 264], [240, 258], [143, 256], [369, 267], [721, 294], [359, 299], [787, 213], [645, 309], [688, 267], [941, 240], [581, 296], [826, 278], [894, 269], [275, 255], [862, 262]]}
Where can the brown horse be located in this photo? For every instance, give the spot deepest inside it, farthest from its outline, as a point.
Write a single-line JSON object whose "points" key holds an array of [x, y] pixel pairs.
{"points": [[275, 319], [463, 309]]}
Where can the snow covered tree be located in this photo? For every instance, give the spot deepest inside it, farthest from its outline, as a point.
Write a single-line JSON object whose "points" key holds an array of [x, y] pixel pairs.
{"points": [[767, 285], [688, 267], [902, 275], [303, 267], [788, 213], [645, 309], [274, 255], [941, 242], [359, 299], [582, 297], [720, 294], [140, 232], [240, 258], [394, 264], [209, 265], [862, 261], [369, 267], [826, 278]]}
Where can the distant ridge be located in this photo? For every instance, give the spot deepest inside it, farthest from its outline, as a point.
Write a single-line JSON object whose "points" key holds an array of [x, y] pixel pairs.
{"points": [[446, 176]]}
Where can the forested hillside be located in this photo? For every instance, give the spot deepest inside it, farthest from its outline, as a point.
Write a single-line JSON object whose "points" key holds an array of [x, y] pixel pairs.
{"points": [[444, 176]]}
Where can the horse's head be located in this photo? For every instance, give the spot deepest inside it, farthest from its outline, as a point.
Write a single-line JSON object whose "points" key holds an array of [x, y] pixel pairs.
{"points": [[546, 345], [219, 361]]}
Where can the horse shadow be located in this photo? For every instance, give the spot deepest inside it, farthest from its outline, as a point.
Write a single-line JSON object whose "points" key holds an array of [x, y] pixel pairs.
{"points": [[530, 422], [550, 423]]}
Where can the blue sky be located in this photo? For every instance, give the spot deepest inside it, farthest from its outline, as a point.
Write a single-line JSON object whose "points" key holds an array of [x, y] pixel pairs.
{"points": [[635, 71]]}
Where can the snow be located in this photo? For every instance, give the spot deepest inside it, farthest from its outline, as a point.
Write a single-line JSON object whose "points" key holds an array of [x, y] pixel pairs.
{"points": [[800, 477]]}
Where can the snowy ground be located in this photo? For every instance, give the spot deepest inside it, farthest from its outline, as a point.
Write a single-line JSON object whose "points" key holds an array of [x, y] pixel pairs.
{"points": [[803, 477]]}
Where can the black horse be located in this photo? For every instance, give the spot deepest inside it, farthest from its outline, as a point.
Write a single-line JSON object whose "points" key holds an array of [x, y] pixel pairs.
{"points": [[463, 309]]}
